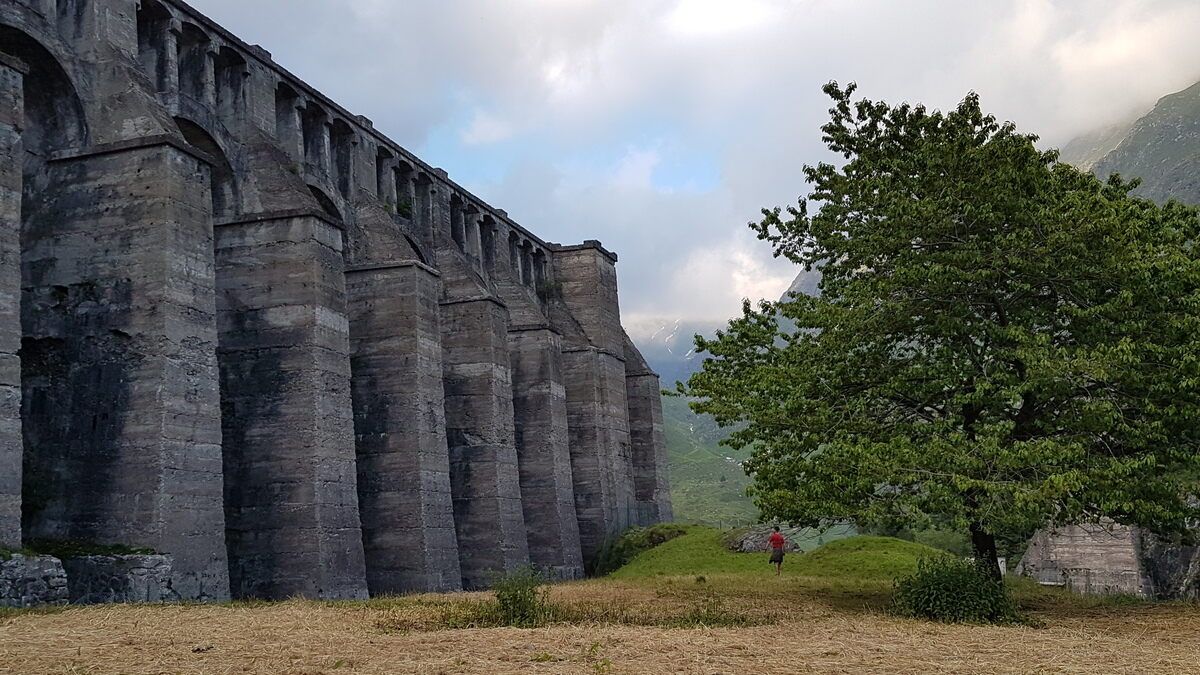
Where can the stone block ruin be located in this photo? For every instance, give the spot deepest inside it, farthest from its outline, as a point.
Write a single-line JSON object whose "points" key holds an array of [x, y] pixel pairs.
{"points": [[241, 328], [1110, 559]]}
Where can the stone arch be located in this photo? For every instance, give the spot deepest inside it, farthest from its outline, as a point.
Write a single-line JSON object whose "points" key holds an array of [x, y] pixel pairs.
{"points": [[343, 140], [54, 121], [315, 134], [230, 73], [539, 268], [514, 254], [225, 201], [487, 241], [153, 25], [71, 17], [326, 203], [406, 194], [194, 64], [288, 125], [54, 113], [457, 222], [384, 182]]}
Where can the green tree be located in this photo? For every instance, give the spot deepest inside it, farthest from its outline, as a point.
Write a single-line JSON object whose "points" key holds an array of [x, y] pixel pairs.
{"points": [[1000, 341]]}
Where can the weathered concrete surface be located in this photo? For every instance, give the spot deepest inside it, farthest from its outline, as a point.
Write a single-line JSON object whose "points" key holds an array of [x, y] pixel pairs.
{"points": [[484, 475], [400, 429], [101, 579], [651, 483], [120, 412], [291, 499], [597, 397], [547, 490], [1108, 559], [11, 120], [144, 125], [31, 581]]}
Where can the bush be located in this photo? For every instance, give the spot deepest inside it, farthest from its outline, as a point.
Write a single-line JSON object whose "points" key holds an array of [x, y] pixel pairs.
{"points": [[521, 600], [616, 553], [953, 590]]}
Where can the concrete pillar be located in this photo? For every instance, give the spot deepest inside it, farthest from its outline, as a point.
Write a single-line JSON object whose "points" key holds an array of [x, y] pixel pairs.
{"points": [[651, 485], [119, 375], [597, 405], [399, 424], [547, 491], [11, 155], [485, 479], [291, 491]]}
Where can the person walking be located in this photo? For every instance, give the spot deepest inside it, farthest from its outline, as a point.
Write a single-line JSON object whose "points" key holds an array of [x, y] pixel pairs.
{"points": [[777, 542]]}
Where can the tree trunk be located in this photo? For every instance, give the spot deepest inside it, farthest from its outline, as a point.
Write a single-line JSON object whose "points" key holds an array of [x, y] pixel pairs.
{"points": [[984, 543]]}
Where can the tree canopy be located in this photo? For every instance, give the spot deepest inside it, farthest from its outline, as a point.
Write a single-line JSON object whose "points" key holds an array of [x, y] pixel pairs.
{"points": [[1000, 340]]}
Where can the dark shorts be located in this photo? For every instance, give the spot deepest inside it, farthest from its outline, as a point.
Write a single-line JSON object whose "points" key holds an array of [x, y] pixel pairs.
{"points": [[776, 555]]}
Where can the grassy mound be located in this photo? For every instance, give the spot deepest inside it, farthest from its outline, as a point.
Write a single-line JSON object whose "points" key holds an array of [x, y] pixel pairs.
{"points": [[701, 552], [634, 541]]}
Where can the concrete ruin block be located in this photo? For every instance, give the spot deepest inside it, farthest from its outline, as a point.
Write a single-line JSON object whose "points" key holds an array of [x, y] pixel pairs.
{"points": [[11, 115], [101, 579], [1112, 559], [121, 419], [544, 456], [399, 425], [291, 499], [484, 475], [32, 581]]}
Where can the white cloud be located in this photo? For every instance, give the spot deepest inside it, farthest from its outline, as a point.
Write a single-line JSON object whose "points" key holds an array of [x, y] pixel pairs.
{"points": [[486, 128], [734, 82], [715, 17]]}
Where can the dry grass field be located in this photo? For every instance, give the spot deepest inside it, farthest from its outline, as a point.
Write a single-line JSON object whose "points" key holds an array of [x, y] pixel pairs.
{"points": [[743, 622]]}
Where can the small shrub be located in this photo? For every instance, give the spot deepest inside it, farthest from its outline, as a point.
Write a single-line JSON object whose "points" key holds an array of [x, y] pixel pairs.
{"points": [[616, 553], [521, 599], [953, 590]]}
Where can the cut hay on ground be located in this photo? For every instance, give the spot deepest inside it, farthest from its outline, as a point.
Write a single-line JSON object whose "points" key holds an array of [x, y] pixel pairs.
{"points": [[806, 632]]}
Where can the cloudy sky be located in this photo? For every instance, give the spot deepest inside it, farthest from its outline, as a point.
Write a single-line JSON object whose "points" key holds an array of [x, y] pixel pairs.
{"points": [[662, 126]]}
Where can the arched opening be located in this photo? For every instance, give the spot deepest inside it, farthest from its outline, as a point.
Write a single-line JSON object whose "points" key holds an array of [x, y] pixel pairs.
{"points": [[71, 18], [343, 141], [316, 139], [457, 229], [153, 24], [539, 269], [195, 65], [526, 263], [406, 196], [326, 203], [230, 73], [224, 187], [60, 432], [514, 254], [471, 231], [487, 238], [385, 186], [423, 189], [287, 120]]}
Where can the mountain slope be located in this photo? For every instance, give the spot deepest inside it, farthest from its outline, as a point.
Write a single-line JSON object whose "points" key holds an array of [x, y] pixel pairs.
{"points": [[708, 484], [1162, 148]]}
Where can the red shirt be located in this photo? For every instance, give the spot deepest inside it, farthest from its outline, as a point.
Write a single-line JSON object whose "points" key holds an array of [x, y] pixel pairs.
{"points": [[777, 540]]}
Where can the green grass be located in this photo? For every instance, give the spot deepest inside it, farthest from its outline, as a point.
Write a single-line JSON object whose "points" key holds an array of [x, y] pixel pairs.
{"points": [[700, 552]]}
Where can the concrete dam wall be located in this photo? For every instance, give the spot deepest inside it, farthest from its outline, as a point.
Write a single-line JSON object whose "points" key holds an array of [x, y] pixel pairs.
{"points": [[241, 328]]}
